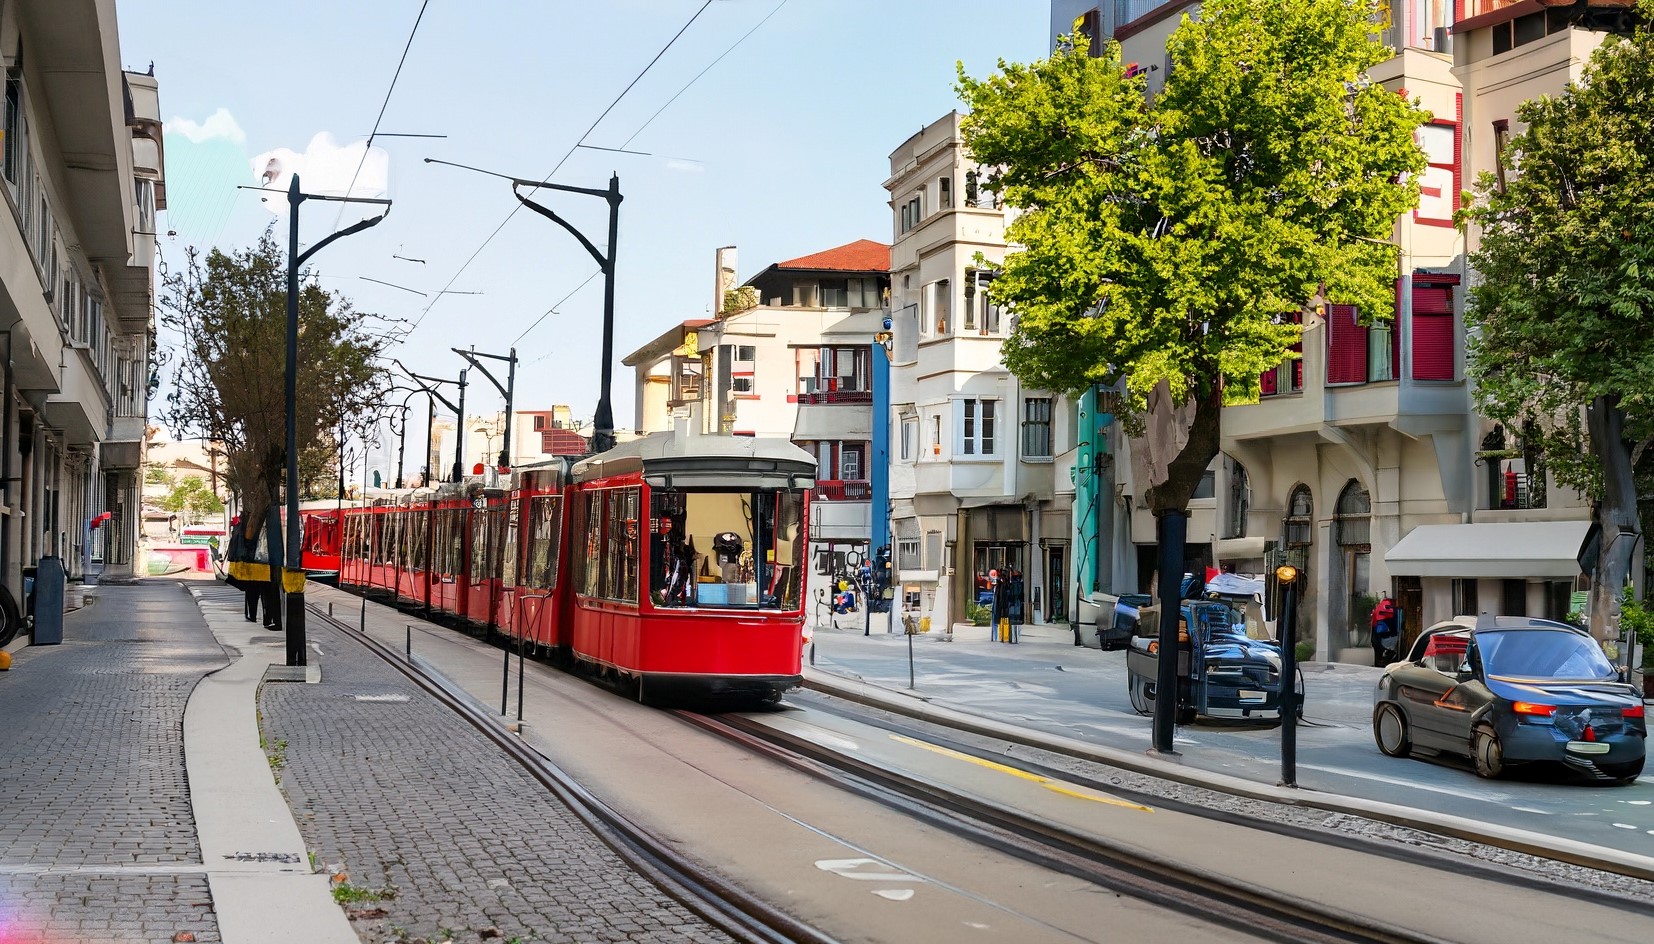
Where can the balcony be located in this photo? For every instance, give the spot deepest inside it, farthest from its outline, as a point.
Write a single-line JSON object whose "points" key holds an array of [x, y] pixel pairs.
{"points": [[1129, 11], [837, 490], [823, 398]]}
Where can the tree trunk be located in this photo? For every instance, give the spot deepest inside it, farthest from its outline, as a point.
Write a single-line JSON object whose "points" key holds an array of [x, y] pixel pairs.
{"points": [[1615, 513], [1186, 470]]}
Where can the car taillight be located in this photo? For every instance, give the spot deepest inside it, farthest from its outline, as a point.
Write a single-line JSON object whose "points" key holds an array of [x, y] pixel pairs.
{"points": [[1533, 708], [1635, 711]]}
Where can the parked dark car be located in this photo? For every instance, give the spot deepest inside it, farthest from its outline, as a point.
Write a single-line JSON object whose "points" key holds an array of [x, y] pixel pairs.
{"points": [[1222, 671], [1509, 690]]}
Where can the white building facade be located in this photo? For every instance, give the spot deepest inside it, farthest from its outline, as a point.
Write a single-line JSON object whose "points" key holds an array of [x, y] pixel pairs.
{"points": [[84, 178], [787, 354], [974, 456]]}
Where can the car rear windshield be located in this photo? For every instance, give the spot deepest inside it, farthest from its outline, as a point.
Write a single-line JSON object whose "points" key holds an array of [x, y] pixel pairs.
{"points": [[1543, 654]]}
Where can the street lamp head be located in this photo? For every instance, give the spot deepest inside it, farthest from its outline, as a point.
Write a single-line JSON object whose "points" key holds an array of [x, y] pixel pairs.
{"points": [[1286, 573]]}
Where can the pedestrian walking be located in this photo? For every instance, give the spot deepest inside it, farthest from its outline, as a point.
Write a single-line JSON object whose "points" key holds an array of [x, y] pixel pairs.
{"points": [[1385, 636]]}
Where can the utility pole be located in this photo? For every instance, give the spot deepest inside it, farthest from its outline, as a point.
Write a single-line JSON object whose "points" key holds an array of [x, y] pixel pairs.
{"points": [[1287, 634], [293, 573], [505, 391], [603, 425], [427, 384]]}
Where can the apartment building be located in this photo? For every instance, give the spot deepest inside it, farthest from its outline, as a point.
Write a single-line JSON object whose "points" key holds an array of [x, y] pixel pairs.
{"points": [[787, 353], [975, 481], [1365, 462], [82, 160]]}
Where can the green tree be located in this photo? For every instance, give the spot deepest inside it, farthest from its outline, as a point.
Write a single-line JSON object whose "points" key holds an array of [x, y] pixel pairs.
{"points": [[1165, 241], [192, 498], [231, 311], [1563, 311]]}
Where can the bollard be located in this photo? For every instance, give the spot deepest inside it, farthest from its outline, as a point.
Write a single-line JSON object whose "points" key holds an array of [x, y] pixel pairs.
{"points": [[330, 609], [505, 680], [410, 641]]}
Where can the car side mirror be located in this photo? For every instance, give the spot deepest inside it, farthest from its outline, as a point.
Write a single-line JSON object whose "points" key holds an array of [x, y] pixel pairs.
{"points": [[1623, 673], [1466, 673]]}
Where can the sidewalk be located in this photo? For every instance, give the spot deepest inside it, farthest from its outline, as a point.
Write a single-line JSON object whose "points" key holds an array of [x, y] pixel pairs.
{"points": [[100, 842]]}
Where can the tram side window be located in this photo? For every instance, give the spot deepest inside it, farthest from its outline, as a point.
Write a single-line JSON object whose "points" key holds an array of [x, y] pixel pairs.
{"points": [[589, 537], [456, 540], [620, 538], [481, 533], [416, 555], [543, 543]]}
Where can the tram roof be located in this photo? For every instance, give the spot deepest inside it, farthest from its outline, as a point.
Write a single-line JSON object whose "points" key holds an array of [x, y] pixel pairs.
{"points": [[696, 461]]}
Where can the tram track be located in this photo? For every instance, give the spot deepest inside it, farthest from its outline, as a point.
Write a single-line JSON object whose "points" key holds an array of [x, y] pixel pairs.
{"points": [[731, 909], [1133, 872]]}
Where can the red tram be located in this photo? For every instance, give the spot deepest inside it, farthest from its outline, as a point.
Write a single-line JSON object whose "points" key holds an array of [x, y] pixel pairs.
{"points": [[672, 563]]}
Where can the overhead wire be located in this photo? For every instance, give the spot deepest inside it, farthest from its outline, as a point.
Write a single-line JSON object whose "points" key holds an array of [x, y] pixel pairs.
{"points": [[554, 307], [697, 78], [559, 165], [382, 106]]}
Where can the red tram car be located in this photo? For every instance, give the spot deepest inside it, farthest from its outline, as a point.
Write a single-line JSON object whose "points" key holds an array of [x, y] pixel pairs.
{"points": [[672, 563]]}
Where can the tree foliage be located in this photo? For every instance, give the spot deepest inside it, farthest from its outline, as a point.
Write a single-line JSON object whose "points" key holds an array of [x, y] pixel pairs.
{"points": [[1164, 240], [1563, 310], [192, 497], [231, 311]]}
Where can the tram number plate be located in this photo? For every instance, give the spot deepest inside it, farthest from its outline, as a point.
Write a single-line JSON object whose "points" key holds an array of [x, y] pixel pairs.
{"points": [[1253, 696]]}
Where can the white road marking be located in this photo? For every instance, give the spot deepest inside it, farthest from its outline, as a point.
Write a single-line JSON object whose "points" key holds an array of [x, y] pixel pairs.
{"points": [[1397, 781], [895, 894], [847, 868], [1624, 826]]}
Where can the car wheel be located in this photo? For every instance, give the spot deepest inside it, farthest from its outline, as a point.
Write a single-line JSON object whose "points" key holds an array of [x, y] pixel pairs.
{"points": [[1487, 753], [1625, 773], [1390, 731], [1141, 701]]}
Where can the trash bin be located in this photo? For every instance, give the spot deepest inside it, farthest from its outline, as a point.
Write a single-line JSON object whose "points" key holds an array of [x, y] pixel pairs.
{"points": [[49, 582]]}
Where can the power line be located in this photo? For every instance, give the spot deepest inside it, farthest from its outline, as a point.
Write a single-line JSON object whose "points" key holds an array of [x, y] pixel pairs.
{"points": [[559, 166], [697, 78], [382, 106], [553, 308]]}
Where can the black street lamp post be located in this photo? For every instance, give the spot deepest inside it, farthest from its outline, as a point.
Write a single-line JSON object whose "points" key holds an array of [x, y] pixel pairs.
{"points": [[603, 424], [505, 391], [295, 259], [428, 385]]}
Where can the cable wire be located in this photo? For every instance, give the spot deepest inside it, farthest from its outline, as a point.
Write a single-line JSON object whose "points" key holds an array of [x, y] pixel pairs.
{"points": [[697, 78], [553, 308], [382, 106], [639, 77]]}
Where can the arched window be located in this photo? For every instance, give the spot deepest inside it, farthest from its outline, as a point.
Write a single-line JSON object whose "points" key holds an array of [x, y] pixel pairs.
{"points": [[1299, 526], [1353, 524]]}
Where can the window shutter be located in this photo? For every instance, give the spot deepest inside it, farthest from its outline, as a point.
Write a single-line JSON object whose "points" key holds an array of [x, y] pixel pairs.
{"points": [[1266, 383], [1434, 337], [1346, 346]]}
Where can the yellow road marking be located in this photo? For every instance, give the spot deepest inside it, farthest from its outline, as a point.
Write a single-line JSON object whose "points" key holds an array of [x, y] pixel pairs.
{"points": [[1045, 782]]}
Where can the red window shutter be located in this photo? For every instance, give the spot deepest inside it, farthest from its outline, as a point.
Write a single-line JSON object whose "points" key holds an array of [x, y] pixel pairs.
{"points": [[1346, 346], [1266, 383], [1435, 341]]}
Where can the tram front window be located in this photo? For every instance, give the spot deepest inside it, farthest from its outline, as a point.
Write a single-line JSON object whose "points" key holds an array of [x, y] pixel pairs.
{"points": [[726, 549]]}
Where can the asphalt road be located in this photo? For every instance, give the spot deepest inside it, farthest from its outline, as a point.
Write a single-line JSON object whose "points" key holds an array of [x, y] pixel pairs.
{"points": [[1046, 683]]}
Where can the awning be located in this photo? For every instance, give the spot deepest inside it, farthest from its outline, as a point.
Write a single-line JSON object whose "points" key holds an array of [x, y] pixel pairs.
{"points": [[833, 422], [1231, 549], [1503, 549]]}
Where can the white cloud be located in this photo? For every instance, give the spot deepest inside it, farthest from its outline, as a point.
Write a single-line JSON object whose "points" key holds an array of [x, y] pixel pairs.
{"points": [[220, 124], [325, 167]]}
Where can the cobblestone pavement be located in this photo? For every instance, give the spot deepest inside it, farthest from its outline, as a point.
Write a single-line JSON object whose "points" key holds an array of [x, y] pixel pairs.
{"points": [[404, 795], [98, 844]]}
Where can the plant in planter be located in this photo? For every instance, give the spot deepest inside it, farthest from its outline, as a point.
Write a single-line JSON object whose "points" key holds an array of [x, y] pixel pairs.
{"points": [[1636, 618], [978, 614], [1304, 650]]}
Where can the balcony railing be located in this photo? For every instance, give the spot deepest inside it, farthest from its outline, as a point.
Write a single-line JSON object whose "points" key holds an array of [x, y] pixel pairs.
{"points": [[838, 490], [836, 396]]}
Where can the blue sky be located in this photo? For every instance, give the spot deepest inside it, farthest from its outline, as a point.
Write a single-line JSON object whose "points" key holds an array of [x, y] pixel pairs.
{"points": [[780, 149]]}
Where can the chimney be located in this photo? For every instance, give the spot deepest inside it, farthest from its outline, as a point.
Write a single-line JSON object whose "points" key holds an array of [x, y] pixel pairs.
{"points": [[725, 278]]}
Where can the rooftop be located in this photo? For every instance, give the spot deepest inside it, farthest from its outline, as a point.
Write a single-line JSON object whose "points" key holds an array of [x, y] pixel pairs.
{"points": [[863, 255]]}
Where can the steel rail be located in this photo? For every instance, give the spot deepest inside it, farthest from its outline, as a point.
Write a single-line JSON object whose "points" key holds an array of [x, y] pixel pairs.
{"points": [[728, 907], [1142, 875]]}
